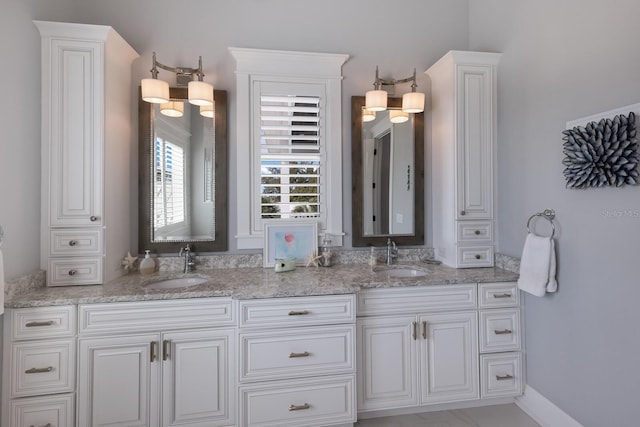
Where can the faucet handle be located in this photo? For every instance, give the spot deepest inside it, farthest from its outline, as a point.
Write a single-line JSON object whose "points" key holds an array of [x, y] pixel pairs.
{"points": [[185, 250]]}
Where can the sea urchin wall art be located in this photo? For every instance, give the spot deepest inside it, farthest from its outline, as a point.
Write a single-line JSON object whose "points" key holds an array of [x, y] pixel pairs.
{"points": [[603, 153]]}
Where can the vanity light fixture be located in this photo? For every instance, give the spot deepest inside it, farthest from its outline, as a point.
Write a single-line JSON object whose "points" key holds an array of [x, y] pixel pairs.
{"points": [[398, 116], [157, 91], [172, 108], [412, 102], [368, 115]]}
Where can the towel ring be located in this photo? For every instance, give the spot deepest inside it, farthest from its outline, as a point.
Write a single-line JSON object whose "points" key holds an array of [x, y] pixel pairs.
{"points": [[549, 215]]}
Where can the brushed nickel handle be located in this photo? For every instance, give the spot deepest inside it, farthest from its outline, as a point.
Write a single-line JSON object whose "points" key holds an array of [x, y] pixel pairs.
{"points": [[73, 242], [463, 213], [35, 324], [93, 218], [303, 354], [415, 330], [46, 425], [502, 295], [39, 370], [298, 313], [504, 377], [152, 351], [166, 344], [478, 256], [477, 232], [424, 329], [299, 407], [502, 332], [72, 272]]}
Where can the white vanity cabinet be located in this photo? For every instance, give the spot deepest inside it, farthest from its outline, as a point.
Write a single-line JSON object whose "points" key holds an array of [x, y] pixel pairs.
{"points": [[39, 367], [463, 87], [86, 145], [297, 362], [164, 363]]}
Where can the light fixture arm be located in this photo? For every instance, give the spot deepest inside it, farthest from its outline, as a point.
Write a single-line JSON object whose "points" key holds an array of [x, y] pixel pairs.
{"points": [[382, 82], [177, 70]]}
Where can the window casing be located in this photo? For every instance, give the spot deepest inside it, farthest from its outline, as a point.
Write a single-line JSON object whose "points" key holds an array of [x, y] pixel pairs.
{"points": [[292, 146]]}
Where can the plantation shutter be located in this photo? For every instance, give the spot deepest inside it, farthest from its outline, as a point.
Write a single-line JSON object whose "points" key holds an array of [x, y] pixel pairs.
{"points": [[291, 157], [169, 188]]}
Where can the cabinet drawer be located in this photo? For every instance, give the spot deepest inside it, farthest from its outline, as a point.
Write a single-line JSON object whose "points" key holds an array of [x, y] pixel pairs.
{"points": [[469, 231], [495, 295], [74, 271], [316, 402], [500, 330], [42, 367], [297, 352], [475, 256], [53, 411], [501, 374], [155, 315], [76, 243], [298, 311], [416, 299], [43, 322]]}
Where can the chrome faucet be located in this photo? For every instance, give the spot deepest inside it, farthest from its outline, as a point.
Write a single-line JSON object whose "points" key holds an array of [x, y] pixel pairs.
{"points": [[392, 251], [189, 263]]}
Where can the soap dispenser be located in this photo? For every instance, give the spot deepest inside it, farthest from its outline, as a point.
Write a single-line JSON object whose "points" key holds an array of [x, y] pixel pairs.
{"points": [[148, 265]]}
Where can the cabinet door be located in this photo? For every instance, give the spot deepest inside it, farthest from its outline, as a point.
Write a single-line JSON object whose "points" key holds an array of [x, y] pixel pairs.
{"points": [[449, 357], [475, 142], [119, 381], [387, 365], [75, 133], [198, 376]]}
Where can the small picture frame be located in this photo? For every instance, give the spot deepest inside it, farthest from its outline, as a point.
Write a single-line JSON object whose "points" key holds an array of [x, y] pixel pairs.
{"points": [[289, 239]]}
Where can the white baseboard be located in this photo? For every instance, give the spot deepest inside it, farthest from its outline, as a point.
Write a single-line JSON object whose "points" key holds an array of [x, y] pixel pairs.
{"points": [[543, 411]]}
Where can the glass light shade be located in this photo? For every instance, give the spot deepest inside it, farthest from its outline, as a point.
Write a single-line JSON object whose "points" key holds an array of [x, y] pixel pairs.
{"points": [[368, 115], [398, 116], [172, 108], [413, 102], [376, 100], [155, 91], [200, 93], [206, 110]]}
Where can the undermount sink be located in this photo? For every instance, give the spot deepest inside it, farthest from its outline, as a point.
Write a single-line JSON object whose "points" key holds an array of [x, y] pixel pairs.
{"points": [[400, 272], [178, 282]]}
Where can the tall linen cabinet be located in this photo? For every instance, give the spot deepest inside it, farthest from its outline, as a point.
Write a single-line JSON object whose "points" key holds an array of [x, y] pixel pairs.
{"points": [[86, 152], [463, 112]]}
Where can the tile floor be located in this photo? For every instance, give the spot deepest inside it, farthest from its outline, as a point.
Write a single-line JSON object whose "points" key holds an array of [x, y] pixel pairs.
{"points": [[488, 416]]}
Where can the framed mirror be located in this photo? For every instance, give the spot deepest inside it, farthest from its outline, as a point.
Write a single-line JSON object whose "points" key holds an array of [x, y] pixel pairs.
{"points": [[387, 166], [182, 176]]}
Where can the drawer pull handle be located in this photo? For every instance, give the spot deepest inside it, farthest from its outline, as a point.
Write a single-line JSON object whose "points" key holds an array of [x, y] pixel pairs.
{"points": [[415, 330], [36, 324], [39, 370], [152, 351], [502, 295], [72, 272], [299, 407], [73, 242], [165, 349], [303, 354], [503, 332], [298, 313], [504, 377], [46, 425], [477, 232], [424, 329], [93, 218]]}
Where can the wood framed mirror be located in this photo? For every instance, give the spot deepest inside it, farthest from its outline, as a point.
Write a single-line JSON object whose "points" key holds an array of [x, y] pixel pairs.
{"points": [[182, 177], [387, 166]]}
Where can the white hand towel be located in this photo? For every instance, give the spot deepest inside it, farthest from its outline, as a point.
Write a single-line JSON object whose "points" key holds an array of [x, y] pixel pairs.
{"points": [[538, 266], [1, 284]]}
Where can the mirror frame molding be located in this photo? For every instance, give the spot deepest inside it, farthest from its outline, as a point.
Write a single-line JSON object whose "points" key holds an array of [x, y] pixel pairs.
{"points": [[145, 135], [358, 237]]}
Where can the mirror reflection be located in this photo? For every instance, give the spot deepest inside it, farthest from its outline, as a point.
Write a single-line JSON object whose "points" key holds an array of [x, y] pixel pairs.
{"points": [[388, 175], [183, 175]]}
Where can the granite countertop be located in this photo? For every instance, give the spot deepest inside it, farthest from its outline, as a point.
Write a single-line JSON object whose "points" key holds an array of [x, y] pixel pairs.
{"points": [[248, 283]]}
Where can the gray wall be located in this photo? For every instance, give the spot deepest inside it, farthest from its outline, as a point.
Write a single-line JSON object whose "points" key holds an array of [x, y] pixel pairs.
{"points": [[563, 61]]}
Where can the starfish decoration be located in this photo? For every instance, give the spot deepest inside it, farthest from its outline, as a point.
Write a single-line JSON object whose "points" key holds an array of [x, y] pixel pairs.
{"points": [[129, 261], [313, 260]]}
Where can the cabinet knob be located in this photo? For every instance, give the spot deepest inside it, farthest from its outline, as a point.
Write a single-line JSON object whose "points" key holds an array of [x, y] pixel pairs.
{"points": [[73, 242], [72, 272], [477, 232], [463, 213], [478, 256], [93, 218]]}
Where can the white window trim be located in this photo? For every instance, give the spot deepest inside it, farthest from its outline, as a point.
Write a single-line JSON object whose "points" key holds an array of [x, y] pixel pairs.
{"points": [[287, 66]]}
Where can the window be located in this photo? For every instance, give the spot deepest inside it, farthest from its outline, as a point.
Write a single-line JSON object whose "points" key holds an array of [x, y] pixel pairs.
{"points": [[169, 188], [289, 152]]}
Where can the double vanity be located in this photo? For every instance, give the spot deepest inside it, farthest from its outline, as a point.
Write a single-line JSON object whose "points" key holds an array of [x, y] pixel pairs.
{"points": [[251, 347]]}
